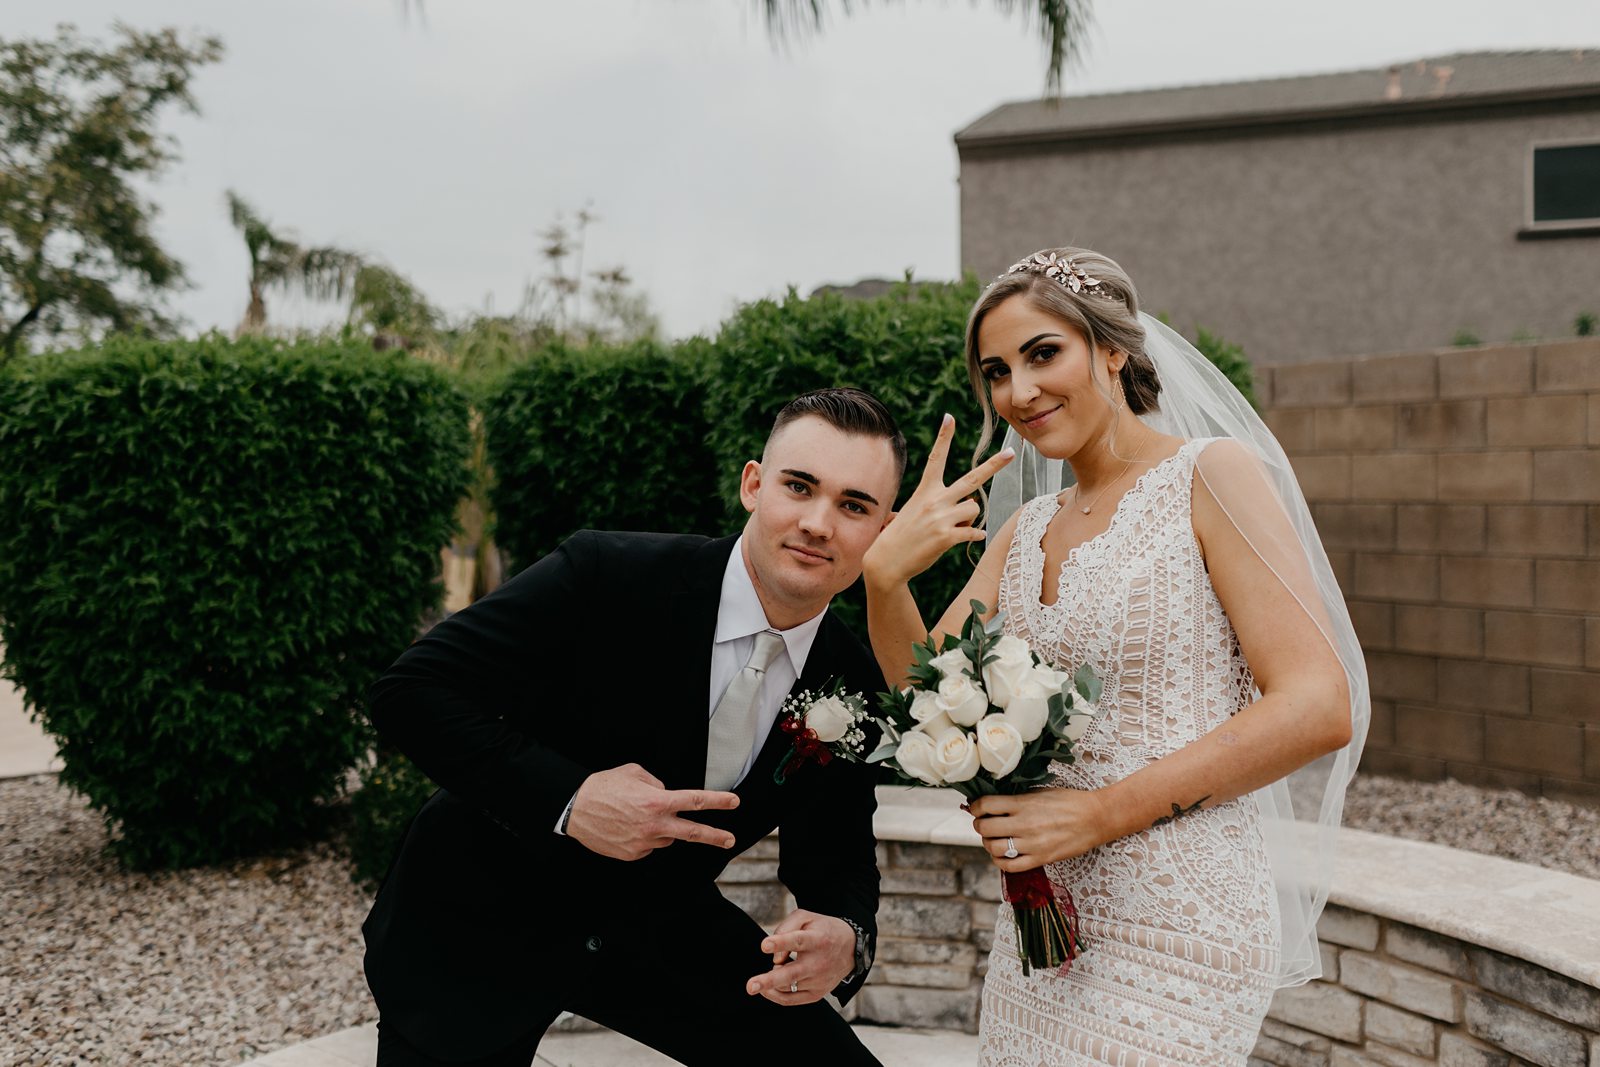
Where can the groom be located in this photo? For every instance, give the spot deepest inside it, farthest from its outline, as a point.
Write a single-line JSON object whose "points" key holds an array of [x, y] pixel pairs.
{"points": [[603, 726]]}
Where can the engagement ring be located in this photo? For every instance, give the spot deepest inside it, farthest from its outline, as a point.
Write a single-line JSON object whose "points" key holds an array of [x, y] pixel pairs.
{"points": [[1011, 848], [794, 986]]}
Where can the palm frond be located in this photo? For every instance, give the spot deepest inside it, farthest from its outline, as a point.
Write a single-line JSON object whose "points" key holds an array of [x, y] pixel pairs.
{"points": [[1064, 27], [795, 18], [271, 255], [323, 273], [1062, 24]]}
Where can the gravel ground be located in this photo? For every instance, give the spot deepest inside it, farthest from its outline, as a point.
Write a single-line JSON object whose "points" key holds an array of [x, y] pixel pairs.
{"points": [[1497, 822], [218, 965], [205, 966]]}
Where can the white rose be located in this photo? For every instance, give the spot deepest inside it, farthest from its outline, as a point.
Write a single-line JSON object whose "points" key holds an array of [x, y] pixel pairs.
{"points": [[915, 756], [951, 664], [829, 718], [955, 756], [935, 726], [1002, 676], [925, 706], [1079, 716], [962, 699], [1029, 709], [999, 745]]}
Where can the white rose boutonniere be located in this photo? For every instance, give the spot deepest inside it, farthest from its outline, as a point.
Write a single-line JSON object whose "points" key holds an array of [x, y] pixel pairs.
{"points": [[823, 726]]}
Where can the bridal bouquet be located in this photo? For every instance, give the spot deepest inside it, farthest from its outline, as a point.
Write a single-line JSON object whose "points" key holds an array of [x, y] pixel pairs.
{"points": [[986, 716]]}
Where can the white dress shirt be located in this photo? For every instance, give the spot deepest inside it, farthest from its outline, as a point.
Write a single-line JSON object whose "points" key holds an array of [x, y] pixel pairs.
{"points": [[739, 618]]}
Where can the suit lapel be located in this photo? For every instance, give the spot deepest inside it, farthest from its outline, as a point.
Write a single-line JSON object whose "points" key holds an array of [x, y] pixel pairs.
{"points": [[689, 630]]}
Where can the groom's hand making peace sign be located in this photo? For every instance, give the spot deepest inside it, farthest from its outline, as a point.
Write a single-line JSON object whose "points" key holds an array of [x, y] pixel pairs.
{"points": [[626, 813]]}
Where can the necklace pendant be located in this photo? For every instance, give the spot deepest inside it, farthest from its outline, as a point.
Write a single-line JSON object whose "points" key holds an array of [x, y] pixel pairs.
{"points": [[1086, 510]]}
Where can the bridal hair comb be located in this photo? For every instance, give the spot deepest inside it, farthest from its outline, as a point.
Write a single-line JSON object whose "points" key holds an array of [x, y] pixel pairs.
{"points": [[1065, 271]]}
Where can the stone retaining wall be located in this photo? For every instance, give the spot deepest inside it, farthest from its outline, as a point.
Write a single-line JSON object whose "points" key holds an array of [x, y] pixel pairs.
{"points": [[1430, 955], [935, 926], [1396, 995]]}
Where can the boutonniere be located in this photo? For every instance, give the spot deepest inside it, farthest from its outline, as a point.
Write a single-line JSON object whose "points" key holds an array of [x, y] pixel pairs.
{"points": [[823, 725]]}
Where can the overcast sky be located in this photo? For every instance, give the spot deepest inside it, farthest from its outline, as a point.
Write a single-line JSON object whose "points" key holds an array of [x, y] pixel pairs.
{"points": [[723, 169]]}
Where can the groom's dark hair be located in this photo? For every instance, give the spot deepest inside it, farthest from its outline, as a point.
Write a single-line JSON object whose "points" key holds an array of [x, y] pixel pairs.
{"points": [[852, 411]]}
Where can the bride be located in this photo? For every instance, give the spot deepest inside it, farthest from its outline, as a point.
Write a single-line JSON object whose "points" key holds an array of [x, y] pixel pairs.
{"points": [[1195, 828]]}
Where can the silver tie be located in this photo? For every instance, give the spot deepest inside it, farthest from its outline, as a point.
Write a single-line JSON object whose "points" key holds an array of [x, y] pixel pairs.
{"points": [[733, 724]]}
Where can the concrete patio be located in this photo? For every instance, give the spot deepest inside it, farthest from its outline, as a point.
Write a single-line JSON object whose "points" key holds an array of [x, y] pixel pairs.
{"points": [[357, 1047]]}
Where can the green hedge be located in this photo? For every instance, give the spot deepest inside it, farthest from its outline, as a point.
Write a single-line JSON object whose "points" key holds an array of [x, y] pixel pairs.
{"points": [[601, 437], [392, 792], [210, 549], [652, 436]]}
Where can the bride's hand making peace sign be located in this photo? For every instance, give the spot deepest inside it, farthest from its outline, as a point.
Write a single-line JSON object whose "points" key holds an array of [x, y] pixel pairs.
{"points": [[935, 518]]}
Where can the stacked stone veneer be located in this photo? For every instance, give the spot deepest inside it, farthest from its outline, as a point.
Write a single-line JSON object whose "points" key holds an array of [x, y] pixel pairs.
{"points": [[1397, 995], [935, 927], [1428, 958], [1458, 495]]}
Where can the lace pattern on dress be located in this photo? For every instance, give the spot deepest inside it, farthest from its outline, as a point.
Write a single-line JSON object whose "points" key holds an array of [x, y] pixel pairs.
{"points": [[1181, 920]]}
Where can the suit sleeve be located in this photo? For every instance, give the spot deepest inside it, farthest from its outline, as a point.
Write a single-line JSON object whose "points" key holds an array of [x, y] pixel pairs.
{"points": [[470, 702], [827, 851]]}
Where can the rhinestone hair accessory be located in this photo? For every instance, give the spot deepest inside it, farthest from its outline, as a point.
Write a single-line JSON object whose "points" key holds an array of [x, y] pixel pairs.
{"points": [[1065, 271]]}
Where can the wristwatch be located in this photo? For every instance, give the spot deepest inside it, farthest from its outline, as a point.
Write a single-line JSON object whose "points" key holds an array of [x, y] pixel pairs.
{"points": [[863, 951]]}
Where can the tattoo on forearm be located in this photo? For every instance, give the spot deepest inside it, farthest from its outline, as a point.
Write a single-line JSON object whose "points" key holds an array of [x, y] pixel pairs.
{"points": [[1178, 810]]}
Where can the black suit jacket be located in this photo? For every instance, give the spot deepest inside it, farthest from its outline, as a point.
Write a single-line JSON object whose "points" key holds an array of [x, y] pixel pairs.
{"points": [[597, 656]]}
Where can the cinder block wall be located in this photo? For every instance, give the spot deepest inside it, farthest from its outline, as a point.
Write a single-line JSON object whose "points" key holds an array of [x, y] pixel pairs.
{"points": [[1458, 495]]}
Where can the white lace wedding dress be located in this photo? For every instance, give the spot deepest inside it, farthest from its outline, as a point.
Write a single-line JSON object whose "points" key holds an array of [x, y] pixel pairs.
{"points": [[1180, 920]]}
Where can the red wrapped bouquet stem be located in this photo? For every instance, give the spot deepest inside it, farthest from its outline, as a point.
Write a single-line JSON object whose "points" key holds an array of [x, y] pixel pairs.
{"points": [[1047, 920]]}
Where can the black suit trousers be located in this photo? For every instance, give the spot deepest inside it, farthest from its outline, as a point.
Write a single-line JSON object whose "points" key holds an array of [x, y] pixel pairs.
{"points": [[674, 983]]}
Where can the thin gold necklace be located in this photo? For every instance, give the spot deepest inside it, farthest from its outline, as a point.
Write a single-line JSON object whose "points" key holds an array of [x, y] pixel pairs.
{"points": [[1077, 489]]}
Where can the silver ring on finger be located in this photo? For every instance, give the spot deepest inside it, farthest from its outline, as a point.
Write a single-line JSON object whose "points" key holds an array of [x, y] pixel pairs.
{"points": [[1011, 852], [794, 986]]}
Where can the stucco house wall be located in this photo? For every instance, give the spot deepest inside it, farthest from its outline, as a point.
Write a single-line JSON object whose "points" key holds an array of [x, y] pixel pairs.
{"points": [[1306, 232]]}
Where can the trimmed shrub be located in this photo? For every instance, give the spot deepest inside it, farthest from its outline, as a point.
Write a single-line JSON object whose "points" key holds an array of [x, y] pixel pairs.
{"points": [[392, 791], [210, 549], [603, 438], [1229, 359]]}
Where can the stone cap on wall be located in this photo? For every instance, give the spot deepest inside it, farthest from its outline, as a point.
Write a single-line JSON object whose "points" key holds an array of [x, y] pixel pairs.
{"points": [[1546, 917]]}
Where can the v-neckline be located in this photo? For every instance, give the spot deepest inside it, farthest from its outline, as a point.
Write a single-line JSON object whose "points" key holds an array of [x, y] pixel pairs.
{"points": [[1073, 552]]}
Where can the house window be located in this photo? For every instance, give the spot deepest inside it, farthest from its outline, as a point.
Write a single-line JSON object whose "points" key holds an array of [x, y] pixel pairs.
{"points": [[1566, 185]]}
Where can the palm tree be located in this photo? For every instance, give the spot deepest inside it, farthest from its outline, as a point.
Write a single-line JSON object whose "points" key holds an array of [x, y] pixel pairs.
{"points": [[278, 261], [388, 307], [1061, 24]]}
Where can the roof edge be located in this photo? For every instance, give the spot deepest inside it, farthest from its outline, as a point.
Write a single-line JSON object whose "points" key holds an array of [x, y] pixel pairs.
{"points": [[1250, 120]]}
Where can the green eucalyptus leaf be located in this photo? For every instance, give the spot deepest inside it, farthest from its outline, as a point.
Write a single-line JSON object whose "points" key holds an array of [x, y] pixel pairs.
{"points": [[1088, 683]]}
